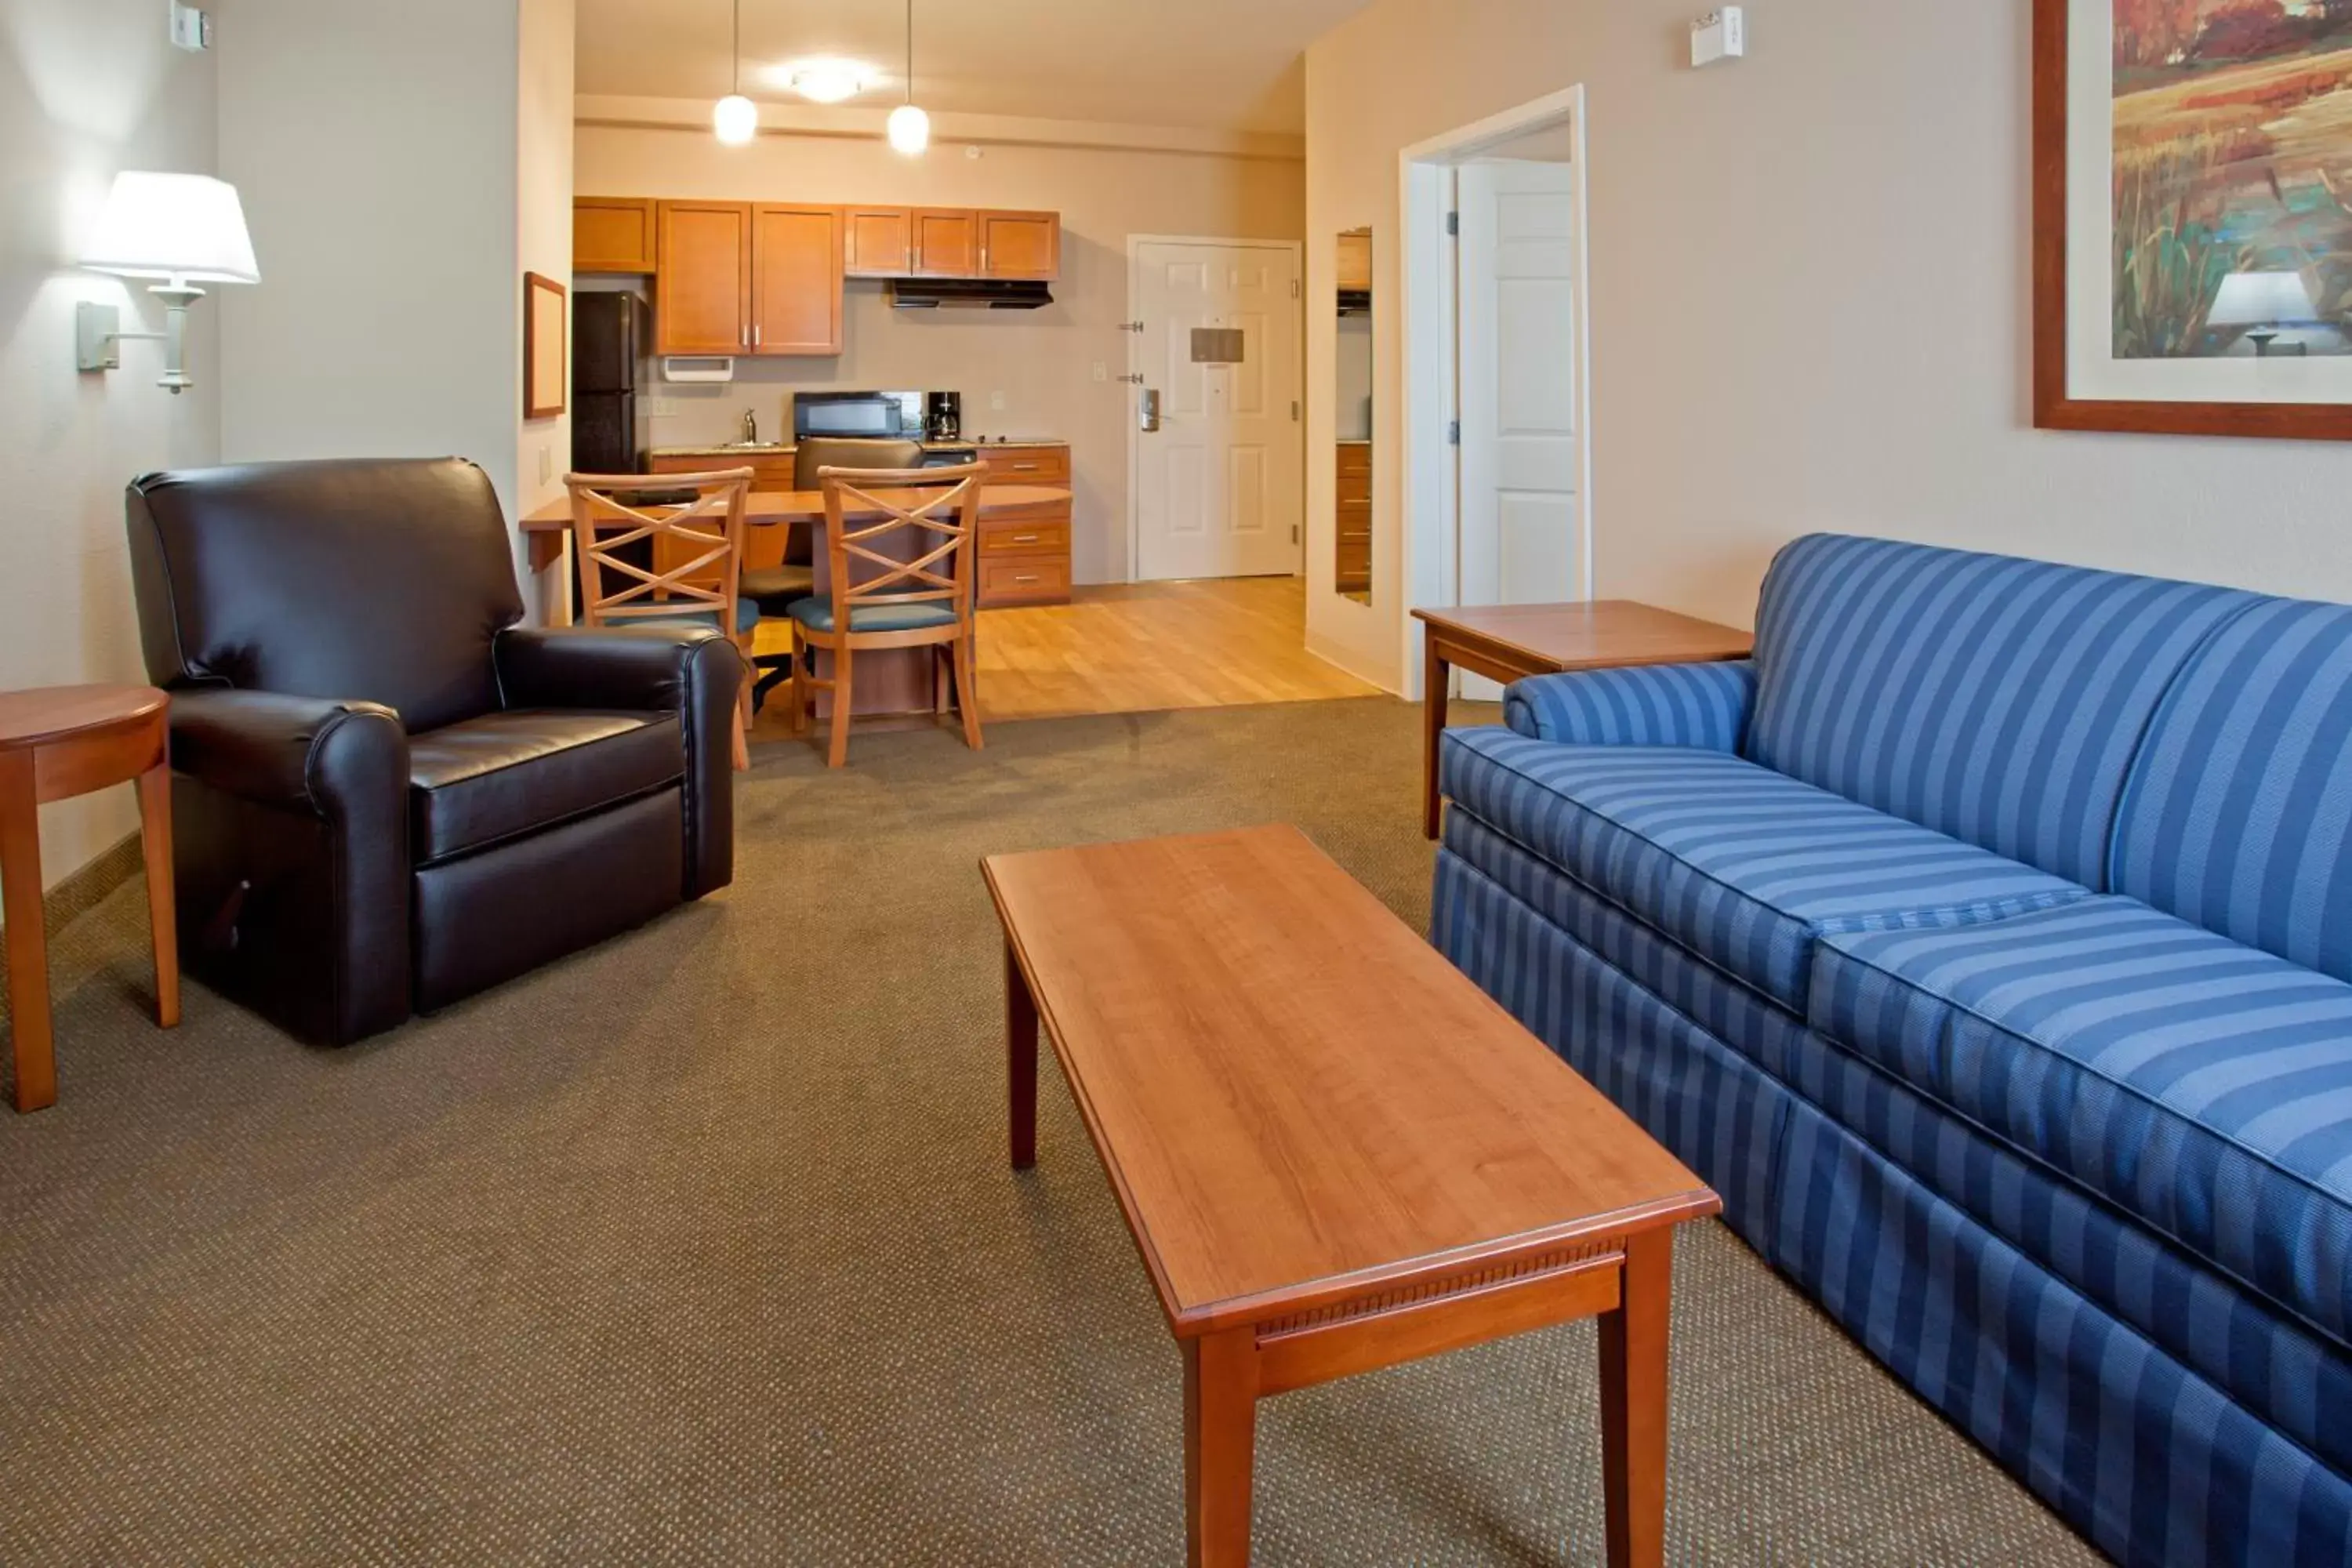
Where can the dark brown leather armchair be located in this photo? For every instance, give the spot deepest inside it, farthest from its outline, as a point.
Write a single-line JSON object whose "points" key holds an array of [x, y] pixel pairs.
{"points": [[390, 795]]}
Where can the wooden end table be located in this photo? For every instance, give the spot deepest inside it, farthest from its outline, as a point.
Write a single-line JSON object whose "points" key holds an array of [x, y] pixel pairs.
{"points": [[1334, 1152], [62, 741], [1511, 642]]}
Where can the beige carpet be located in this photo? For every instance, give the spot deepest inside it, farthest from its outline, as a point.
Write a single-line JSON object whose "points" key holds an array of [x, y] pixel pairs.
{"points": [[701, 1248]]}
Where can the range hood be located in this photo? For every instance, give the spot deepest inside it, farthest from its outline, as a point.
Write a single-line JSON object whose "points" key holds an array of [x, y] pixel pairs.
{"points": [[967, 294]]}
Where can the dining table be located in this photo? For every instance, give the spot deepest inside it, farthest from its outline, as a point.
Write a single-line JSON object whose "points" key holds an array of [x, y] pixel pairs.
{"points": [[897, 681]]}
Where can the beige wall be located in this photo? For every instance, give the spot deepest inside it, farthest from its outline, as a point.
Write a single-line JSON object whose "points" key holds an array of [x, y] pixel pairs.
{"points": [[1041, 361], [86, 88], [1810, 296], [377, 150], [542, 220]]}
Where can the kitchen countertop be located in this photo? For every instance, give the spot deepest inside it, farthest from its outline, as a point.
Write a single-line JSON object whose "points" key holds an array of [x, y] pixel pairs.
{"points": [[784, 449]]}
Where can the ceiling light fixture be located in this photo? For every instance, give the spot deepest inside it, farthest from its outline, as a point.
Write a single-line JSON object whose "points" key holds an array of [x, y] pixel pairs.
{"points": [[911, 128], [827, 81], [736, 118]]}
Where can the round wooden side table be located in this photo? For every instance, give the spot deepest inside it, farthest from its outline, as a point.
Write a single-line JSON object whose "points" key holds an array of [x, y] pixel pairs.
{"points": [[62, 741]]}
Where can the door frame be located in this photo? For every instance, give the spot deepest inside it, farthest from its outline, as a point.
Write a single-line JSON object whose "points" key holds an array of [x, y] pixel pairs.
{"points": [[1135, 335], [1432, 306]]}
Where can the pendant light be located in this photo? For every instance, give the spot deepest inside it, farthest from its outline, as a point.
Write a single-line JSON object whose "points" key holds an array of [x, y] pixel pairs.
{"points": [[911, 128], [736, 120]]}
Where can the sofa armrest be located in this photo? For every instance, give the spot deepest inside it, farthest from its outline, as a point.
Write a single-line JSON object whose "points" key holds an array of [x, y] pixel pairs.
{"points": [[306, 753], [691, 672], [1701, 705], [647, 668]]}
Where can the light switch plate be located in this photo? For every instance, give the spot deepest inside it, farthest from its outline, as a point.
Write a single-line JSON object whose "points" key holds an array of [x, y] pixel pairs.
{"points": [[996, 402]]}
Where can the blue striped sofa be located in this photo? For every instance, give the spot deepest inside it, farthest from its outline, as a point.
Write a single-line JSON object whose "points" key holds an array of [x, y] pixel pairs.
{"points": [[1987, 943]]}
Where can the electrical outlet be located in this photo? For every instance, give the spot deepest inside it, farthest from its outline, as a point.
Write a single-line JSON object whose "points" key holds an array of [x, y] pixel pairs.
{"points": [[996, 403], [546, 463]]}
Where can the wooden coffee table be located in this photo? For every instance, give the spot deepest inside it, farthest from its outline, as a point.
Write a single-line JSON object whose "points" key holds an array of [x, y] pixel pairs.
{"points": [[1334, 1152], [1511, 642]]}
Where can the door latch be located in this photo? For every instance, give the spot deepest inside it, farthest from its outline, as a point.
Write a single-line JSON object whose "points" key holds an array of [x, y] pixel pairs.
{"points": [[1149, 409]]}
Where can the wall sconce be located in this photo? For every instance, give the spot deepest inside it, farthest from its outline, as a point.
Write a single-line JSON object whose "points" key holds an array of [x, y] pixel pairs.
{"points": [[183, 228]]}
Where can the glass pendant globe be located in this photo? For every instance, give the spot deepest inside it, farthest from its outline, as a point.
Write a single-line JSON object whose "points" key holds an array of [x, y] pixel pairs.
{"points": [[736, 120], [911, 129]]}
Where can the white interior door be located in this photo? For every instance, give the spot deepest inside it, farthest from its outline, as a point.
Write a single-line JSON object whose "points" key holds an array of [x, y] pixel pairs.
{"points": [[1219, 486], [1522, 459]]}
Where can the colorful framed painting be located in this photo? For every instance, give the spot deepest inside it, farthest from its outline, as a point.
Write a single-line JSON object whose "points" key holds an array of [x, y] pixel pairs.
{"points": [[2192, 223]]}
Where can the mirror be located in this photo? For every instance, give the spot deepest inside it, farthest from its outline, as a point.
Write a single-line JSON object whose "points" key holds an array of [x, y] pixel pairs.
{"points": [[1351, 571]]}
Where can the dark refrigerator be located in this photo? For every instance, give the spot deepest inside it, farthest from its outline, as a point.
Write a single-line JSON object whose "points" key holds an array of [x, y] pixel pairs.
{"points": [[608, 332]]}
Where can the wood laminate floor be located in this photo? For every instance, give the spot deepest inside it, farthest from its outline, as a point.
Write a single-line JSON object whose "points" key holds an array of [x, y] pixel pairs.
{"points": [[1146, 646], [1139, 647]]}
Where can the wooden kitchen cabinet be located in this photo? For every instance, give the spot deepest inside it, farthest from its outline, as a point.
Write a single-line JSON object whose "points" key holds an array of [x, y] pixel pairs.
{"points": [[737, 279], [878, 242], [613, 234], [947, 242], [1352, 568], [1025, 246], [1355, 264], [1024, 556], [703, 302], [796, 280]]}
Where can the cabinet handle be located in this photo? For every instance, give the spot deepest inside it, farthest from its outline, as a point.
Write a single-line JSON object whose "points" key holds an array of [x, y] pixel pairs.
{"points": [[1025, 539], [1027, 577], [1025, 468]]}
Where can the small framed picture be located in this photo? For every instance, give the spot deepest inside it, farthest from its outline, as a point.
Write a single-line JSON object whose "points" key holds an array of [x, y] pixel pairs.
{"points": [[546, 347], [2192, 216]]}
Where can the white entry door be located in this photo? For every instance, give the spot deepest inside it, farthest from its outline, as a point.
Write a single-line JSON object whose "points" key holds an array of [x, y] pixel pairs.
{"points": [[1219, 483], [1522, 511]]}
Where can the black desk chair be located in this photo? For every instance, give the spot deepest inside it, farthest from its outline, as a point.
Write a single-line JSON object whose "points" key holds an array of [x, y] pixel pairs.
{"points": [[775, 589]]}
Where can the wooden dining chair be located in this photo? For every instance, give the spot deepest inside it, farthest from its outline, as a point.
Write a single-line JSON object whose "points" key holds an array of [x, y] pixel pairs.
{"points": [[647, 554], [900, 547], [776, 589]]}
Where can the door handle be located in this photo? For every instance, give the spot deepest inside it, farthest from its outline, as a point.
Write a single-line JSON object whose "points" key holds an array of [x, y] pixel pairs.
{"points": [[1148, 409]]}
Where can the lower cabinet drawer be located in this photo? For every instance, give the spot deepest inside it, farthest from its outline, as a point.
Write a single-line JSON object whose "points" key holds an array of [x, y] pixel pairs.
{"points": [[1019, 538], [1024, 579], [1027, 465]]}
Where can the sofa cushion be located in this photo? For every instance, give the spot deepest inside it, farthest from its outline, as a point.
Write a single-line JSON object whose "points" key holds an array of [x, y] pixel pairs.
{"points": [[2199, 1085], [492, 778], [1733, 862], [2239, 816], [1997, 700]]}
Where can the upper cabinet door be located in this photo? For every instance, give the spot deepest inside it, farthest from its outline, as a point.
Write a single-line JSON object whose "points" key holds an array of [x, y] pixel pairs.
{"points": [[797, 280], [947, 243], [1017, 245], [879, 241], [703, 305], [611, 234], [1356, 262]]}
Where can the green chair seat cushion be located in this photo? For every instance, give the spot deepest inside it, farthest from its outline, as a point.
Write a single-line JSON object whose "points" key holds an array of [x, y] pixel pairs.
{"points": [[747, 616], [773, 589], [817, 616]]}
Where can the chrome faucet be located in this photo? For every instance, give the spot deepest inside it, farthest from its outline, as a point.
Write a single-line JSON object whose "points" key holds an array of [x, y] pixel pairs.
{"points": [[751, 428]]}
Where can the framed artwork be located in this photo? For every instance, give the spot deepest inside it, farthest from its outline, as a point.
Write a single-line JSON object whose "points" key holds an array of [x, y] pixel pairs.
{"points": [[546, 347], [2192, 216]]}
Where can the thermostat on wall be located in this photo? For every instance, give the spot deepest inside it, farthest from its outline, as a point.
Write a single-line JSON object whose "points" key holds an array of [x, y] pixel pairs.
{"points": [[191, 29], [1720, 35]]}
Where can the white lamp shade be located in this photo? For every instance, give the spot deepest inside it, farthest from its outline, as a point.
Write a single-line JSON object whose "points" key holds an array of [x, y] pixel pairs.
{"points": [[736, 120], [2261, 299], [188, 226], [909, 129]]}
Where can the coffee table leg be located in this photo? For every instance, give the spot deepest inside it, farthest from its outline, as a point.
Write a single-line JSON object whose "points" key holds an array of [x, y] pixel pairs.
{"points": [[1633, 1404], [28, 946], [1437, 676], [1220, 1446], [1021, 1061]]}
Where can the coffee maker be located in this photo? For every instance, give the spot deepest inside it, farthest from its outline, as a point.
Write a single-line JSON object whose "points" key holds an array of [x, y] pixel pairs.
{"points": [[943, 416]]}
